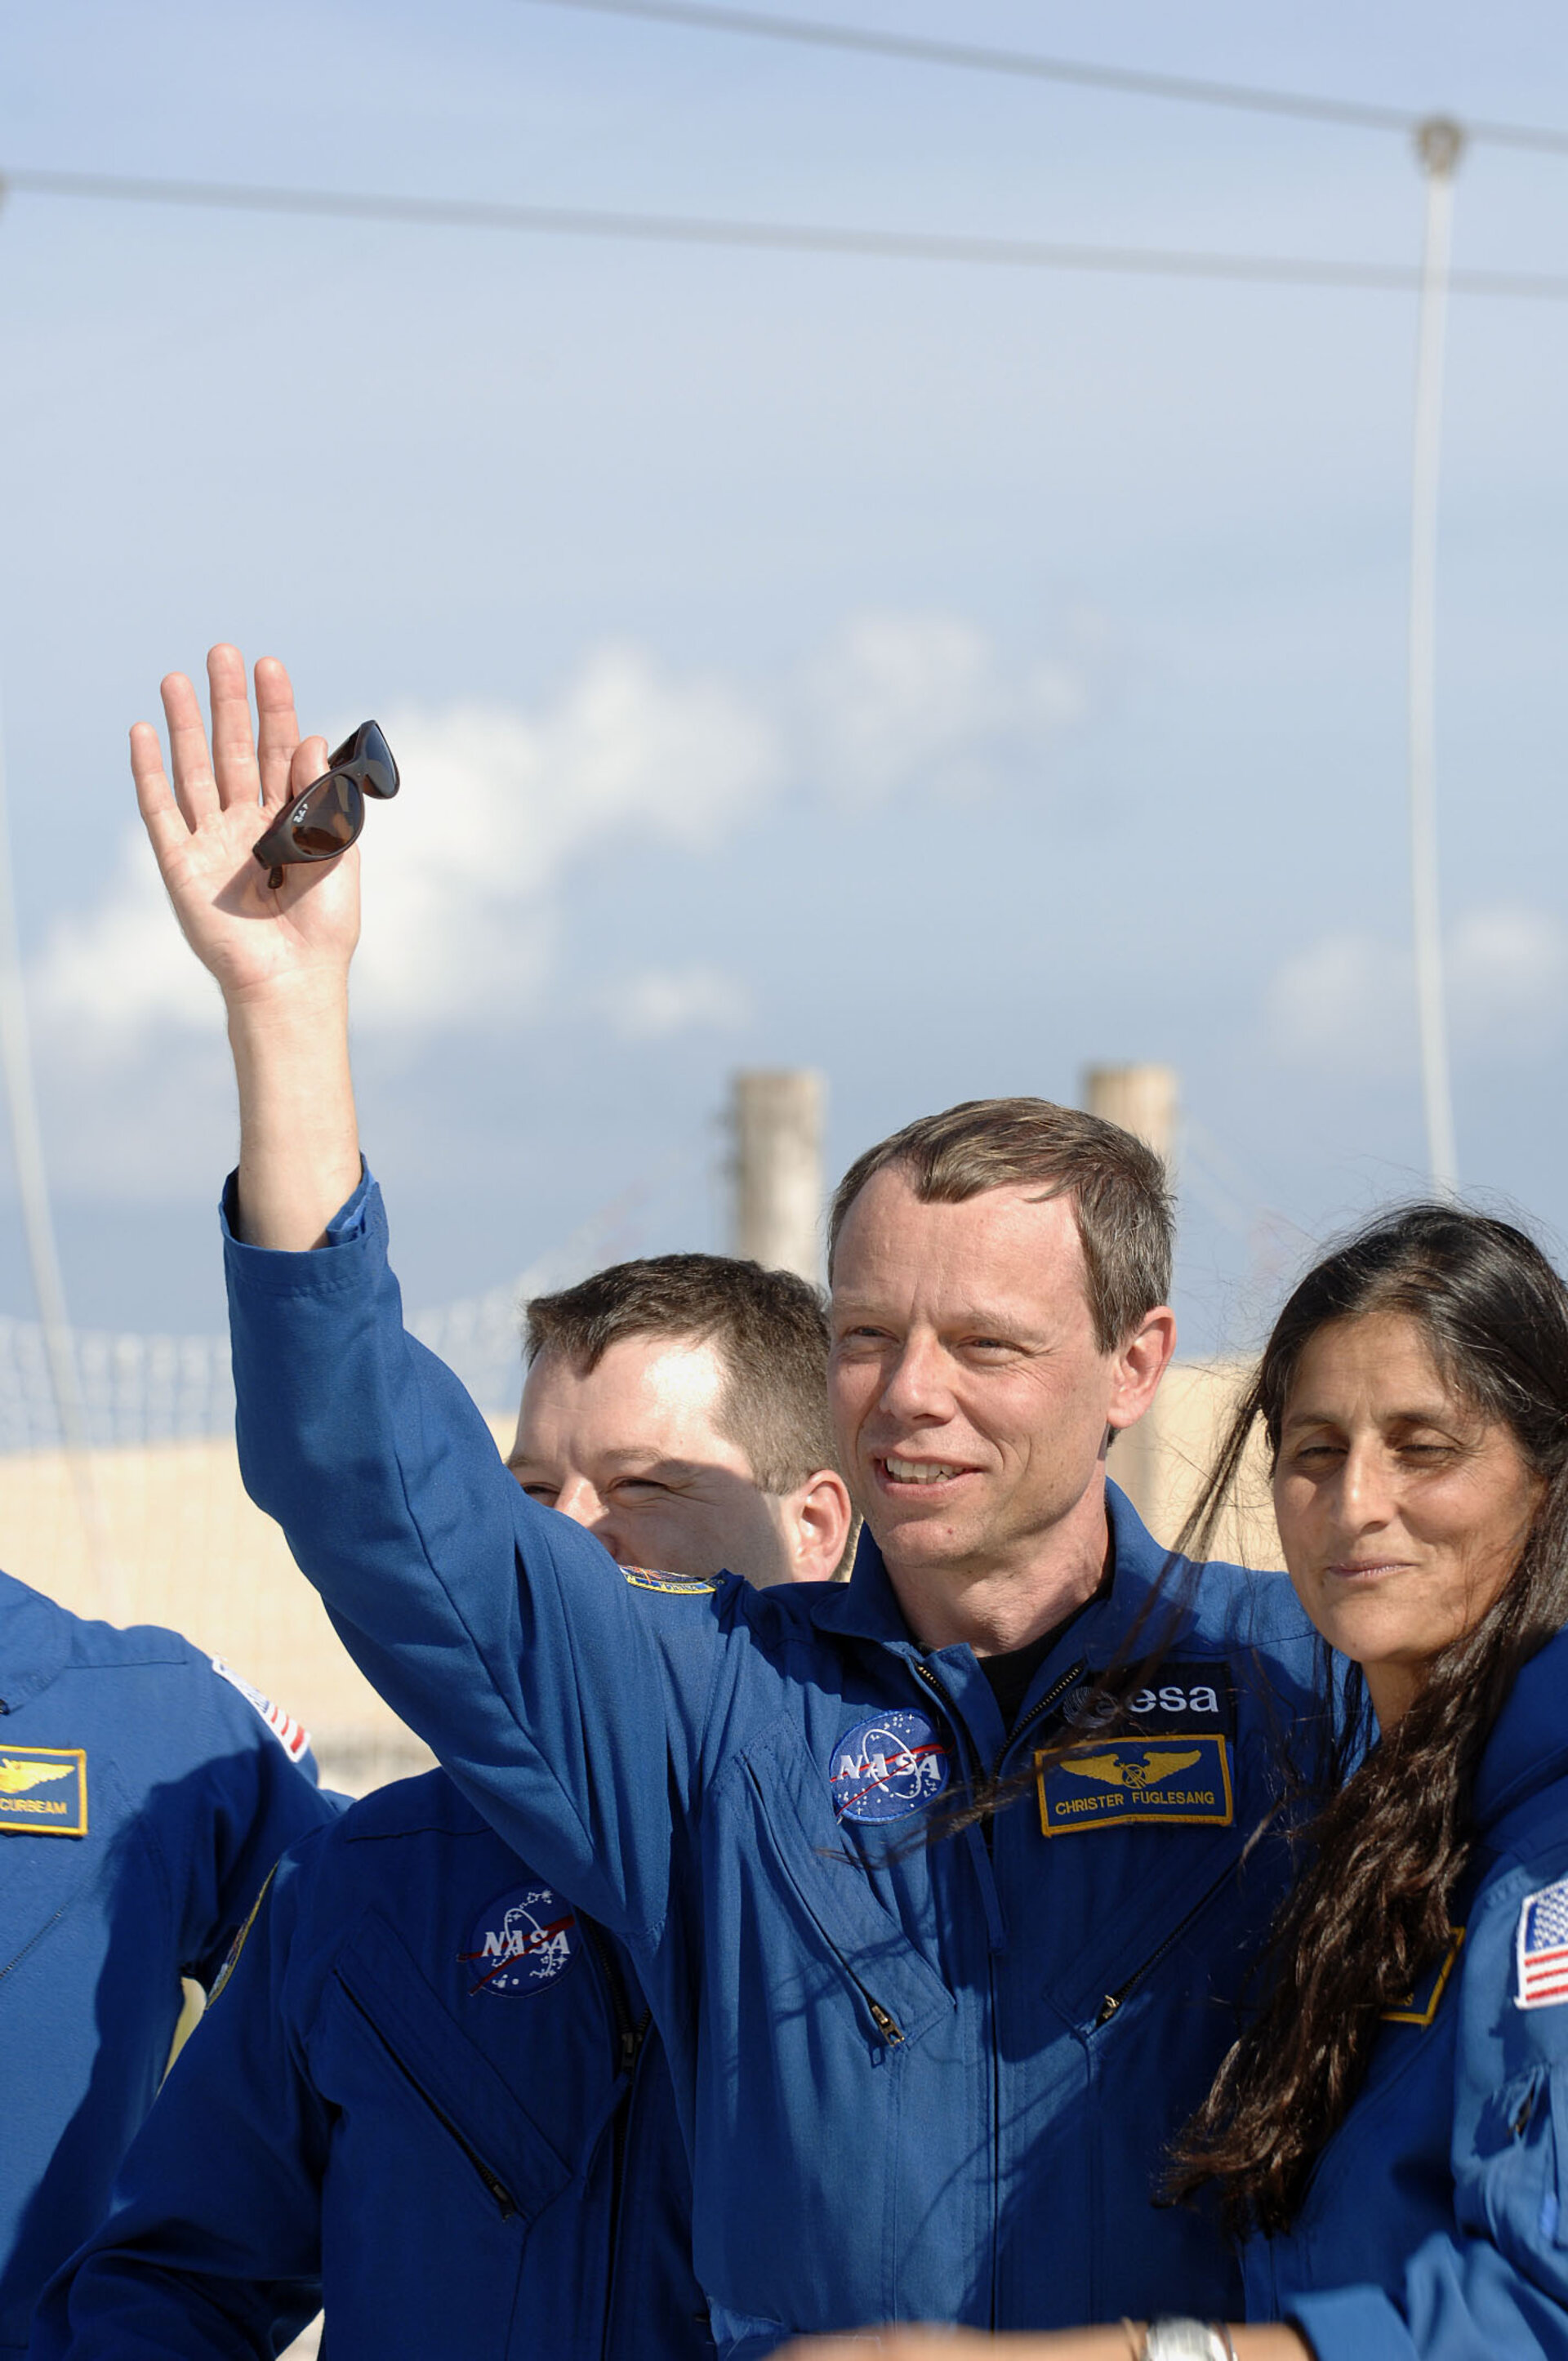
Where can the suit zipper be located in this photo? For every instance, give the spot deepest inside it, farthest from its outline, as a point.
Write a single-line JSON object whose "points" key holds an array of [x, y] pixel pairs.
{"points": [[505, 2202], [629, 2037], [628, 2040], [1113, 2000]]}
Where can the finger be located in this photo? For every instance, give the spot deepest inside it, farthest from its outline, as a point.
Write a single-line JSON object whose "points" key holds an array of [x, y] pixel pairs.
{"points": [[308, 763], [195, 789], [279, 731], [161, 816], [234, 747]]}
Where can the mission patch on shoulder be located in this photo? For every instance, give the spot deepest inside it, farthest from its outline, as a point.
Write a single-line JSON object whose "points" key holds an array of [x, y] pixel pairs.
{"points": [[1168, 1764], [695, 1586], [43, 1789], [292, 1735]]}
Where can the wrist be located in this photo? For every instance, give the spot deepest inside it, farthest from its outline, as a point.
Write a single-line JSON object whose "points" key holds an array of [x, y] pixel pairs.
{"points": [[304, 1000]]}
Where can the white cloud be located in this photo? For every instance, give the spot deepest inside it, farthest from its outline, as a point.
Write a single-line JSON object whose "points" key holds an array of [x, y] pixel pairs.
{"points": [[465, 876], [661, 1000], [1346, 1003], [906, 700]]}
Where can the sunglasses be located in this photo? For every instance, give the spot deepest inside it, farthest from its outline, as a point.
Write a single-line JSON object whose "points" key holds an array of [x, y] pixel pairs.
{"points": [[327, 819]]}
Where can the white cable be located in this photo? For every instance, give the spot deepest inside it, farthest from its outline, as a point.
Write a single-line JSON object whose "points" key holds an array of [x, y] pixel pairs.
{"points": [[1438, 144]]}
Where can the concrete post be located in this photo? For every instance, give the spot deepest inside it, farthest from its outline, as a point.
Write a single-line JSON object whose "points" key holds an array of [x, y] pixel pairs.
{"points": [[1142, 1099], [776, 1120]]}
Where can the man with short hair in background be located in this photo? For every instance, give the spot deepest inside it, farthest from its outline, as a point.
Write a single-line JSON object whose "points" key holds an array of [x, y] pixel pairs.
{"points": [[428, 2095]]}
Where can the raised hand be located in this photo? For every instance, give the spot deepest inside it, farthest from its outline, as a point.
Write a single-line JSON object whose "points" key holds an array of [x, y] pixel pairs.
{"points": [[281, 957], [256, 941]]}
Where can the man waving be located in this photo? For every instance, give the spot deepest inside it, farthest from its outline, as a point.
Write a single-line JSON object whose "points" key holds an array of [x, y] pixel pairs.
{"points": [[925, 2056]]}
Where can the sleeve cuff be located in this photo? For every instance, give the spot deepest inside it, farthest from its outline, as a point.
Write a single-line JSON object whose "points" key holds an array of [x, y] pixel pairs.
{"points": [[349, 1222], [1352, 2323]]}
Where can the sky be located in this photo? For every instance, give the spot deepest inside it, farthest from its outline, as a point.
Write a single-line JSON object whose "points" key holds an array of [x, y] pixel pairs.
{"points": [[944, 676]]}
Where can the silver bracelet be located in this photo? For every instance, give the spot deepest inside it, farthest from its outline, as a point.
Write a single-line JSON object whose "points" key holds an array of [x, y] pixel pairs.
{"points": [[1175, 2339]]}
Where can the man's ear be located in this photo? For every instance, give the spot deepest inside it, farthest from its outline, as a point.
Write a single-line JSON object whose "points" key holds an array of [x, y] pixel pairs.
{"points": [[817, 1520], [1139, 1363]]}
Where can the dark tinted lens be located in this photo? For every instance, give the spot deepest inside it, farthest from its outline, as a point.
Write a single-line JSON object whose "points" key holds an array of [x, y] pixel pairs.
{"points": [[328, 818], [376, 765]]}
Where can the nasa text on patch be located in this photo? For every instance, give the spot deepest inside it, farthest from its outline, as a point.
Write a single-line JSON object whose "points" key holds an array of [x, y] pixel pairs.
{"points": [[888, 1766], [1165, 1760], [43, 1791], [1541, 1945], [520, 1941]]}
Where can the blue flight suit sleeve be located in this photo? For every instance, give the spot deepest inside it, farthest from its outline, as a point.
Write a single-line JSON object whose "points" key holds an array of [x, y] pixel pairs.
{"points": [[1496, 2288], [257, 1801], [211, 2250], [499, 1630]]}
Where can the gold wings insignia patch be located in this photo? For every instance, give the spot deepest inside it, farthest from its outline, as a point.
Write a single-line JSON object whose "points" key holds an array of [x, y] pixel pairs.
{"points": [[1117, 1774], [15, 1778]]}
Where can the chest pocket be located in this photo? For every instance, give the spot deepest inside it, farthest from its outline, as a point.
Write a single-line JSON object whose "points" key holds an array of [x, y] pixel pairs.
{"points": [[896, 1992], [445, 2073], [46, 1882]]}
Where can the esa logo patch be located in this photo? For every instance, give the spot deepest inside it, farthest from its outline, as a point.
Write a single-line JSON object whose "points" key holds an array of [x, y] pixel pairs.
{"points": [[690, 1586], [1162, 1753], [521, 1941], [292, 1735], [887, 1767]]}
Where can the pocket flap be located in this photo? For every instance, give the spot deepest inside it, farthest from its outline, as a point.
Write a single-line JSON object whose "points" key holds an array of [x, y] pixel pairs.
{"points": [[450, 2073]]}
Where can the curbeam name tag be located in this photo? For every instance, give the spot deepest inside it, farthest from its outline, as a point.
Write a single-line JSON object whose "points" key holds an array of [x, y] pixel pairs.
{"points": [[43, 1791]]}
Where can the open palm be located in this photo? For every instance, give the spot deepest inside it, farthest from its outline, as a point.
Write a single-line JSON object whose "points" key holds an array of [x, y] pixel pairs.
{"points": [[202, 828]]}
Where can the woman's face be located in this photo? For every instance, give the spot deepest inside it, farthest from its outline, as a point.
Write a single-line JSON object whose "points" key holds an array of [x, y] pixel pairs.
{"points": [[1402, 1509]]}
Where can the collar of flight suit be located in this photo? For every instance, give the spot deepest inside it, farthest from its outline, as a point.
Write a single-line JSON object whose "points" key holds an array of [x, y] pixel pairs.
{"points": [[867, 1608], [35, 1643], [1528, 1748]]}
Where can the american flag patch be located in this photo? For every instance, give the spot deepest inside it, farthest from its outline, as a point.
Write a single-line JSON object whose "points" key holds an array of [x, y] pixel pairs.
{"points": [[291, 1736], [1543, 1948]]}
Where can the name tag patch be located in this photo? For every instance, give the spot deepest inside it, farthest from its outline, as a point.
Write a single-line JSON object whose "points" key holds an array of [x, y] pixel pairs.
{"points": [[1134, 1782], [521, 1941], [1420, 2007], [886, 1768], [1542, 1947], [43, 1791], [689, 1586], [1169, 1761]]}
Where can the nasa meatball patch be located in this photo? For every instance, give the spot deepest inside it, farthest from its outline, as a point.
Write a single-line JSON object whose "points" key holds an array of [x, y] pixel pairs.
{"points": [[887, 1767], [521, 1941]]}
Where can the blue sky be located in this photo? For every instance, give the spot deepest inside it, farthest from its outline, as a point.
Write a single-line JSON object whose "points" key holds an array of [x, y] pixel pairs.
{"points": [[944, 676]]}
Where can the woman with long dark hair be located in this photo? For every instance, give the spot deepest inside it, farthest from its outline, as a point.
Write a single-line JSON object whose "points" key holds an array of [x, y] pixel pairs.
{"points": [[1389, 2138]]}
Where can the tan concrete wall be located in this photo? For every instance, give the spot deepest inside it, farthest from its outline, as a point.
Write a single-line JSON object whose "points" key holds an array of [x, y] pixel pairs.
{"points": [[1162, 1462], [187, 1548]]}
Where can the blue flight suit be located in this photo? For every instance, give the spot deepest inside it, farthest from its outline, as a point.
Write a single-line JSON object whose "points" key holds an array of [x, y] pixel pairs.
{"points": [[426, 2095], [917, 2080], [1435, 2227], [143, 1799]]}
